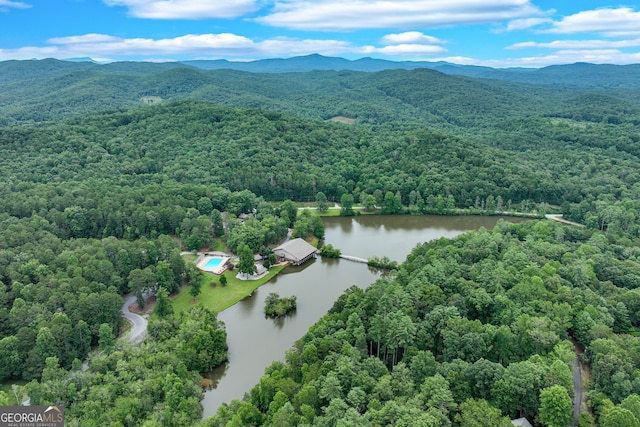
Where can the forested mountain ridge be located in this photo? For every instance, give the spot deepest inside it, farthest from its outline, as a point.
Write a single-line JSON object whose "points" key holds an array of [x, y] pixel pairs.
{"points": [[578, 75], [52, 89], [556, 160], [99, 193], [317, 62], [571, 75], [583, 75]]}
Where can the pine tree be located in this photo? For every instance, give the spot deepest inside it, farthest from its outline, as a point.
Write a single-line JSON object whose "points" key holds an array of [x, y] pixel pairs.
{"points": [[163, 306]]}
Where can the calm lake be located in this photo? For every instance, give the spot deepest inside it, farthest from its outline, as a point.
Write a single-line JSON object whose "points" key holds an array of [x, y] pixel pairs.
{"points": [[255, 342]]}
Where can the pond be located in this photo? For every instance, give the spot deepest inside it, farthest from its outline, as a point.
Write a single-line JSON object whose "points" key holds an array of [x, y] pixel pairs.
{"points": [[255, 341]]}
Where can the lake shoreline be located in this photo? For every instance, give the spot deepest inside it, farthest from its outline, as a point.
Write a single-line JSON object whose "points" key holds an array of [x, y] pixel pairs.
{"points": [[255, 341]]}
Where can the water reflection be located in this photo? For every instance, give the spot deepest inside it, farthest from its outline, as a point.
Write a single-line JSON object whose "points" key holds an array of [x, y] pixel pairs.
{"points": [[255, 341], [246, 306]]}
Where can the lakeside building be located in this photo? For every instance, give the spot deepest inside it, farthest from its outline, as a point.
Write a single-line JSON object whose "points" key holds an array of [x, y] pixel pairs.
{"points": [[296, 251]]}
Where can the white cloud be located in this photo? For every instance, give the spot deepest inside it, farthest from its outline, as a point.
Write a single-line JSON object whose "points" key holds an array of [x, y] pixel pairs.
{"points": [[578, 44], [84, 39], [611, 56], [186, 9], [408, 51], [410, 45], [212, 46], [225, 45], [407, 45], [525, 23], [6, 4], [106, 46], [619, 22], [604, 56], [357, 14], [413, 37]]}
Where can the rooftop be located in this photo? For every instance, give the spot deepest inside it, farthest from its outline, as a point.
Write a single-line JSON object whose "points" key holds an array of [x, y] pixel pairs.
{"points": [[295, 250]]}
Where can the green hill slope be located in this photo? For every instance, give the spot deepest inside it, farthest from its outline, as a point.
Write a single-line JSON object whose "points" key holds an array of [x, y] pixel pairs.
{"points": [[97, 186], [541, 159], [50, 90]]}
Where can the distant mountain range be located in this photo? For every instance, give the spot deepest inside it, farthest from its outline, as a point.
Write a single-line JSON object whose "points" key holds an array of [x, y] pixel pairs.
{"points": [[317, 62], [315, 86], [571, 75], [578, 75]]}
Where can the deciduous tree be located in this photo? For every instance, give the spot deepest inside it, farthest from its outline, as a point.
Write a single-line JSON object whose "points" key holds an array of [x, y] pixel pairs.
{"points": [[555, 407], [247, 265]]}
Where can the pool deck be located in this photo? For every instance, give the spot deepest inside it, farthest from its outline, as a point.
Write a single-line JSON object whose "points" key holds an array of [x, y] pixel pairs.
{"points": [[219, 269]]}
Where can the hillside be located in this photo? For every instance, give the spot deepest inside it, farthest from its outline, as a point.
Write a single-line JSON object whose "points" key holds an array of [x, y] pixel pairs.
{"points": [[578, 75], [101, 193], [278, 156], [51, 90]]}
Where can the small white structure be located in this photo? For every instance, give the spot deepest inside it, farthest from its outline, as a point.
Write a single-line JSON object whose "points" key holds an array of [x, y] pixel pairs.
{"points": [[521, 422], [261, 270]]}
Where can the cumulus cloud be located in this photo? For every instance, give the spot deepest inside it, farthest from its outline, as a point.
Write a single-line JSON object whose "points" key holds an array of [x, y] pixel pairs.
{"points": [[6, 4], [413, 37], [110, 47], [620, 22], [407, 50], [186, 9], [358, 14], [206, 46], [410, 44], [107, 48]]}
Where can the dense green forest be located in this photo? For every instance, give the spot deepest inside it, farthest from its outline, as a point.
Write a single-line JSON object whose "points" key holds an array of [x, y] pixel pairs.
{"points": [[467, 332], [100, 193], [107, 164], [51, 89]]}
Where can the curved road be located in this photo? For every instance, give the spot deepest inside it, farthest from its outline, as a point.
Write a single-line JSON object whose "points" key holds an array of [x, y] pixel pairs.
{"points": [[577, 388], [138, 331]]}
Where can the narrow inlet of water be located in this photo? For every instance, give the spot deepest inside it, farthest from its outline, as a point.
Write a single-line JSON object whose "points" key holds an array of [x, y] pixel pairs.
{"points": [[255, 341]]}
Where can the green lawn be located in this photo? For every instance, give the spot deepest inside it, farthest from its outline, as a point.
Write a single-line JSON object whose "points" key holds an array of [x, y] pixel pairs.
{"points": [[333, 211], [218, 245], [189, 257], [218, 297]]}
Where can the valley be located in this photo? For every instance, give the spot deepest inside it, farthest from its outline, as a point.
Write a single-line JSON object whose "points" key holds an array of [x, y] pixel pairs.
{"points": [[102, 192]]}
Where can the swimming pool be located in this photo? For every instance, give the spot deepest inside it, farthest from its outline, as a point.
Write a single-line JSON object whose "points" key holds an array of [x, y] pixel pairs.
{"points": [[213, 263]]}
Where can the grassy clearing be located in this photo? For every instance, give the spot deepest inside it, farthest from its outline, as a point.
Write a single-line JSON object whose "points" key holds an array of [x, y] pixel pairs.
{"points": [[330, 212], [333, 211], [218, 245], [217, 297], [150, 100], [189, 257]]}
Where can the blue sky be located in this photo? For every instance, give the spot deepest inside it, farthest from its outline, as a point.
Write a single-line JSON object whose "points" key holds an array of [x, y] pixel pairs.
{"points": [[498, 33]]}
